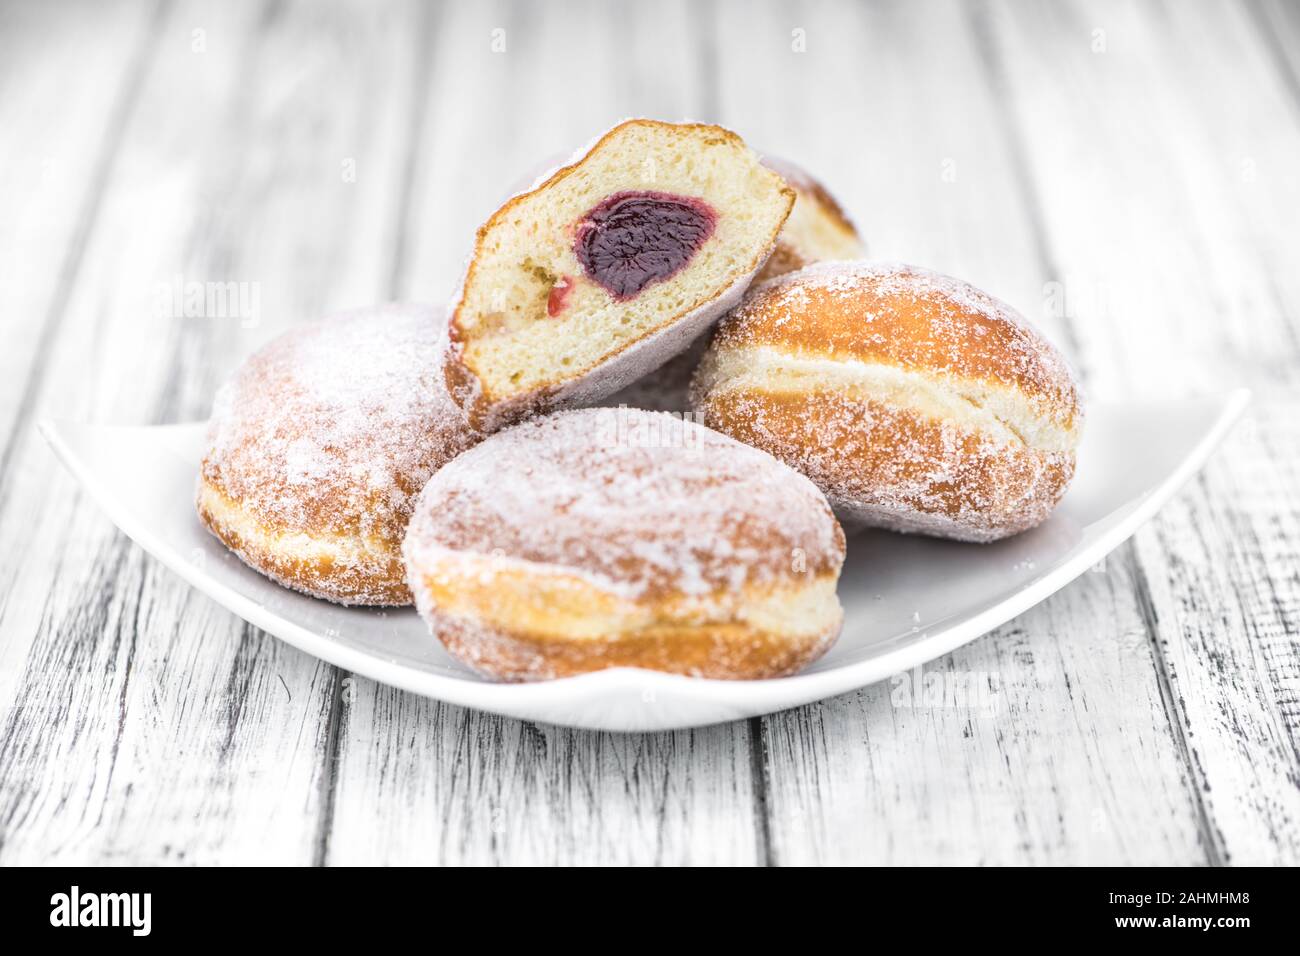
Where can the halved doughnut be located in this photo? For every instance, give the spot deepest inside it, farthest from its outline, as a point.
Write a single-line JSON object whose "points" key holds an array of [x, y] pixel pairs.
{"points": [[818, 230], [609, 267]]}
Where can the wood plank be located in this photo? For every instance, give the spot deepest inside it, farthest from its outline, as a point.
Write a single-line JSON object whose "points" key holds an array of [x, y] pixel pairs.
{"points": [[422, 783], [419, 782], [1154, 182], [52, 173], [1278, 22], [146, 724], [1180, 204], [1061, 754], [1078, 763]]}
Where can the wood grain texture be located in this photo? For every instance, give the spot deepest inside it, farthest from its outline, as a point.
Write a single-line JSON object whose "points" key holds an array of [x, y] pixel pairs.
{"points": [[423, 783], [52, 174], [1122, 173], [946, 784], [1042, 766], [1201, 178], [419, 782], [146, 724]]}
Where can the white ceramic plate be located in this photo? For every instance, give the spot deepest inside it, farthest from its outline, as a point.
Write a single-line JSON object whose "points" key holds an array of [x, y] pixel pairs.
{"points": [[907, 600]]}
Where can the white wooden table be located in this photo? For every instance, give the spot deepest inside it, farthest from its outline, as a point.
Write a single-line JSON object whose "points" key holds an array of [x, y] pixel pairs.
{"points": [[1128, 174]]}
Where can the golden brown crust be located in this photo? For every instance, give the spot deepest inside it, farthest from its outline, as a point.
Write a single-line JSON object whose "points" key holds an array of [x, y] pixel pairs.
{"points": [[379, 580], [641, 500], [784, 258], [879, 471], [607, 537], [912, 400], [723, 650], [828, 204], [817, 229], [809, 186], [319, 445], [487, 411], [343, 506], [908, 318]]}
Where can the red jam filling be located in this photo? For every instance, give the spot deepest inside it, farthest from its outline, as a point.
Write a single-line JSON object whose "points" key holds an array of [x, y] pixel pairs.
{"points": [[633, 239], [558, 295]]}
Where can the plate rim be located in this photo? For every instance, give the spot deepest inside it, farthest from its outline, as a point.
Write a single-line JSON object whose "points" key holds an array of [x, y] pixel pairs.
{"points": [[755, 696]]}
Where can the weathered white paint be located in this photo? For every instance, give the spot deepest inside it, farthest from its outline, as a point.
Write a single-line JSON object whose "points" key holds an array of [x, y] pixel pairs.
{"points": [[340, 153]]}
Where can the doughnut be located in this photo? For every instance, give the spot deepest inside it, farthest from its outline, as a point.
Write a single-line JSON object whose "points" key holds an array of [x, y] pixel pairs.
{"points": [[816, 231], [609, 267], [320, 443], [913, 400], [602, 537]]}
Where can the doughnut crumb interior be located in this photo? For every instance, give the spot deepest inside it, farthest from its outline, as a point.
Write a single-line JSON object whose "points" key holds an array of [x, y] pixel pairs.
{"points": [[818, 230], [609, 267]]}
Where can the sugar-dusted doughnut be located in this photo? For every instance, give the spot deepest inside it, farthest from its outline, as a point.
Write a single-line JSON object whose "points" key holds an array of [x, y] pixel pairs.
{"points": [[319, 444], [599, 538], [913, 400], [818, 230], [609, 267]]}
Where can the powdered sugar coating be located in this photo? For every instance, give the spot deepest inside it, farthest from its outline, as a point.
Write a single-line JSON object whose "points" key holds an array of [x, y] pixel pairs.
{"points": [[913, 400], [911, 317], [333, 428], [642, 504], [882, 466]]}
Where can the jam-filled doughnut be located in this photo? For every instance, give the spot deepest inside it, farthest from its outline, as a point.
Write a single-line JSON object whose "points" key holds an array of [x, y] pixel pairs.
{"points": [[913, 400], [320, 443], [609, 267], [598, 538], [818, 230]]}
